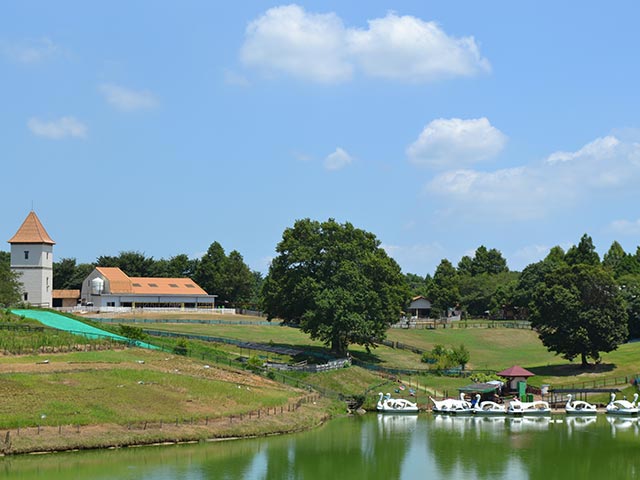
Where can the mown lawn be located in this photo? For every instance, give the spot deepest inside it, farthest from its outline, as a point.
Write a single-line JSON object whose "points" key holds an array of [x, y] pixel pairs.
{"points": [[490, 349]]}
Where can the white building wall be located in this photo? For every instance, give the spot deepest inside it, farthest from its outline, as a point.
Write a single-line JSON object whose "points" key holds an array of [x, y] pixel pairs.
{"points": [[85, 291], [34, 264]]}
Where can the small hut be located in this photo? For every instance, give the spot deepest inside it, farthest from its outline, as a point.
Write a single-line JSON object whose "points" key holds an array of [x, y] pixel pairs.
{"points": [[514, 376], [420, 307]]}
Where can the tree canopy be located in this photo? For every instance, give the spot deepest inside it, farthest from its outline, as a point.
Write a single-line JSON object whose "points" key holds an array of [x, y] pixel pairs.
{"points": [[485, 261], [578, 311], [228, 277], [336, 282], [10, 286]]}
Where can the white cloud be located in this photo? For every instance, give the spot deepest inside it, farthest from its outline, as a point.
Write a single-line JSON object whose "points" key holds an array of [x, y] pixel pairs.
{"points": [[454, 142], [559, 182], [337, 160], [31, 51], [626, 227], [58, 129], [235, 79], [302, 156], [318, 47], [408, 48], [288, 39], [126, 99], [598, 149]]}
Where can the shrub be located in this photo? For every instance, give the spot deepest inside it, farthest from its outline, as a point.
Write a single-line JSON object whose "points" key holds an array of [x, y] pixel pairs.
{"points": [[181, 347], [254, 364]]}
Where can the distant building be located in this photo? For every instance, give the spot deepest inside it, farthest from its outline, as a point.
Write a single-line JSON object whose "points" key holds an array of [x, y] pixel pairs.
{"points": [[32, 260], [420, 307], [65, 298], [110, 287]]}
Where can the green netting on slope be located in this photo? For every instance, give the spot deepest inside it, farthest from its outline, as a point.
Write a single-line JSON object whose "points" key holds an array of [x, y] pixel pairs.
{"points": [[67, 324]]}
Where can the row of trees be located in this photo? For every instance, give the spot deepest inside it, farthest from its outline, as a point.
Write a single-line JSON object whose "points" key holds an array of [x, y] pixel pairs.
{"points": [[479, 285], [579, 304]]}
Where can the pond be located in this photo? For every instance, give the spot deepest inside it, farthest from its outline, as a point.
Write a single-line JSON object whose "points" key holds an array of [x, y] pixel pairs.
{"points": [[375, 446]]}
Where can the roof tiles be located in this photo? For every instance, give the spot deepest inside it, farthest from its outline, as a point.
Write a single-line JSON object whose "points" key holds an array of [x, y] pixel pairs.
{"points": [[32, 231], [120, 283]]}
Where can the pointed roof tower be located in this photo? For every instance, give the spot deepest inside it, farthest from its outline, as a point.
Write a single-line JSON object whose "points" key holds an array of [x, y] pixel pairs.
{"points": [[32, 231]]}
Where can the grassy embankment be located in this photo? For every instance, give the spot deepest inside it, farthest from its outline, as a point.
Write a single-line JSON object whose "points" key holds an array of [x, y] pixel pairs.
{"points": [[100, 398]]}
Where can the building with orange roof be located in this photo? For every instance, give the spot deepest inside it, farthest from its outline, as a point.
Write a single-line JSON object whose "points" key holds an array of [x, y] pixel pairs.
{"points": [[110, 288], [65, 298], [32, 260]]}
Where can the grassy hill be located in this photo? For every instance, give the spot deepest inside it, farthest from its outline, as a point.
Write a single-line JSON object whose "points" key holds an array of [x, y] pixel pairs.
{"points": [[490, 349]]}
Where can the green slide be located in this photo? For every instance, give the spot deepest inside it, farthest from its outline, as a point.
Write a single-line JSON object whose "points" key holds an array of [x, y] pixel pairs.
{"points": [[55, 320]]}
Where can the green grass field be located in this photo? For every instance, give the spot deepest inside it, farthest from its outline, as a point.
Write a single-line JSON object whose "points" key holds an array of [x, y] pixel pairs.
{"points": [[490, 349]]}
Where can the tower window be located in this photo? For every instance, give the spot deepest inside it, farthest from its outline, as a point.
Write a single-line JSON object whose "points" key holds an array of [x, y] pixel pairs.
{"points": [[26, 254], [26, 296]]}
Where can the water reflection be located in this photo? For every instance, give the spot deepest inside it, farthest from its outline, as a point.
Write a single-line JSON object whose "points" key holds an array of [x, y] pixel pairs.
{"points": [[621, 423], [378, 446]]}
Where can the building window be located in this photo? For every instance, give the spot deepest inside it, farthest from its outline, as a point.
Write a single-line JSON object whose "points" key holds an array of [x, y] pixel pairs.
{"points": [[26, 296], [26, 254], [111, 304]]}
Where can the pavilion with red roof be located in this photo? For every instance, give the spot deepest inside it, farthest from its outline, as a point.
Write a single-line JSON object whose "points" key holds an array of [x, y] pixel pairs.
{"points": [[514, 375]]}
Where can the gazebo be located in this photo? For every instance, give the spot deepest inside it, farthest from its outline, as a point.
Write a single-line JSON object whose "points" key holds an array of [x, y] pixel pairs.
{"points": [[514, 375]]}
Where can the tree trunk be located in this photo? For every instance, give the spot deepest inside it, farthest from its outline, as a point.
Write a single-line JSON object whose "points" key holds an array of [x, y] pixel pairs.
{"points": [[338, 347], [583, 357]]}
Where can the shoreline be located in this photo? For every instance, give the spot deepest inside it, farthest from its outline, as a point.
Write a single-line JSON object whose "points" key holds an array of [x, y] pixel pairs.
{"points": [[45, 440]]}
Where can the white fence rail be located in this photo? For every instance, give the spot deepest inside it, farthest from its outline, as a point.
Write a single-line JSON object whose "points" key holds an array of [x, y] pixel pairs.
{"points": [[212, 311]]}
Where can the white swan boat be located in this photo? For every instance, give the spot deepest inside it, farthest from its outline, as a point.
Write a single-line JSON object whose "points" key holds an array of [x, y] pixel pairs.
{"points": [[452, 405], [538, 407], [395, 405], [578, 407], [622, 407], [488, 407]]}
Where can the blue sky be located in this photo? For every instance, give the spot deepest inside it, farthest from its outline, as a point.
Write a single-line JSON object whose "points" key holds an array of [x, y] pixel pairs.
{"points": [[439, 126]]}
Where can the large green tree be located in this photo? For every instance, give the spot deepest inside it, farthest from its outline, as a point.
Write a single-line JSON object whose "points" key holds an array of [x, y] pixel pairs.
{"points": [[484, 261], [10, 286], [5, 257], [239, 278], [69, 275], [444, 291], [578, 311], [209, 273], [583, 253], [336, 282]]}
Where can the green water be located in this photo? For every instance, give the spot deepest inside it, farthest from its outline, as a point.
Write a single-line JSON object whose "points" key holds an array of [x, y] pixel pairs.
{"points": [[375, 447]]}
